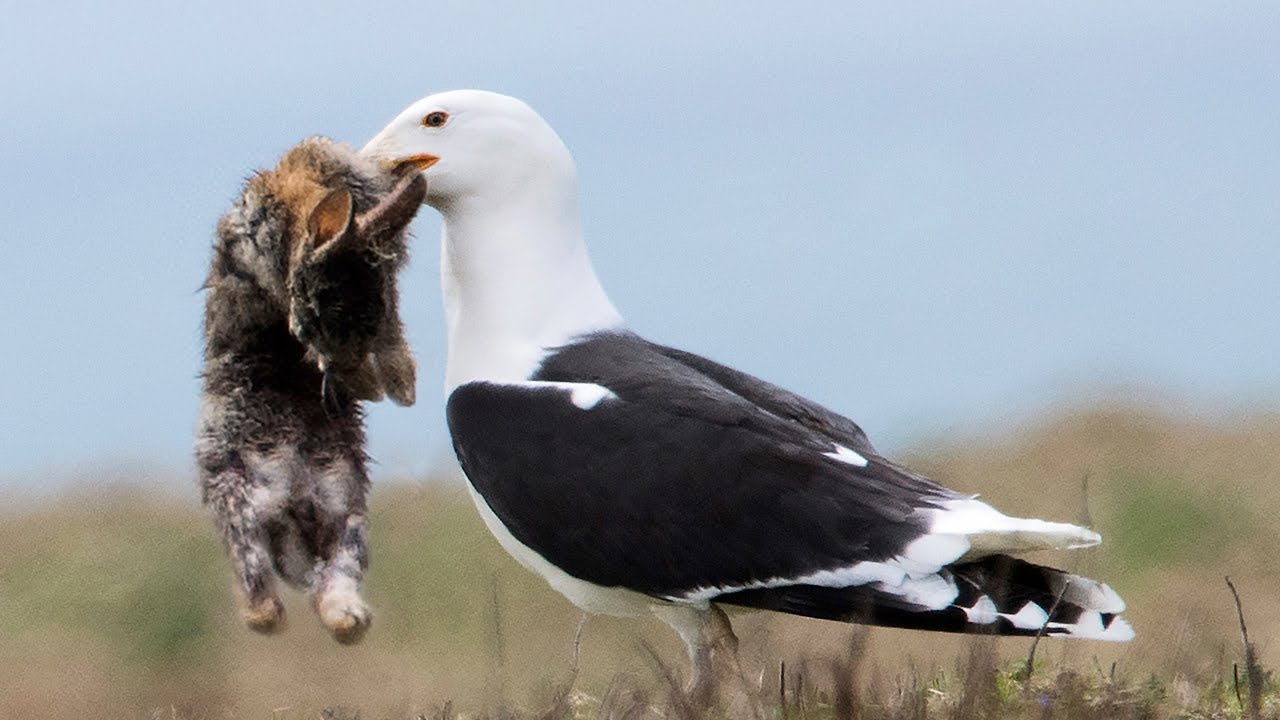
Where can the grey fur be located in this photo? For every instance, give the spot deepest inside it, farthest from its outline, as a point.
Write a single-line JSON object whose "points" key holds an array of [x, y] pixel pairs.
{"points": [[301, 323]]}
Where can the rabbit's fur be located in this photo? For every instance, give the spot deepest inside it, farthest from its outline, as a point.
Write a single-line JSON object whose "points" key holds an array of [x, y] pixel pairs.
{"points": [[301, 323]]}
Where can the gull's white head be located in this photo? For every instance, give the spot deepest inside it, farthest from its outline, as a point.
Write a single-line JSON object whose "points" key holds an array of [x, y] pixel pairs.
{"points": [[476, 145], [513, 265]]}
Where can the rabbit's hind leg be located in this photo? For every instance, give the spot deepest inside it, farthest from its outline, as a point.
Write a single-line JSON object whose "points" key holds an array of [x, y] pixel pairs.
{"points": [[337, 593], [240, 513], [338, 600]]}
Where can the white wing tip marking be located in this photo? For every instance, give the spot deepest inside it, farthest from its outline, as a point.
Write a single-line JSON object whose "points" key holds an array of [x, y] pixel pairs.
{"points": [[1091, 594], [846, 456], [983, 612], [1089, 627], [1030, 617], [1118, 631]]}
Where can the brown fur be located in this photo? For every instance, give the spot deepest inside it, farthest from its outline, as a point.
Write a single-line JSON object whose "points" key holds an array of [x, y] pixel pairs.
{"points": [[301, 323]]}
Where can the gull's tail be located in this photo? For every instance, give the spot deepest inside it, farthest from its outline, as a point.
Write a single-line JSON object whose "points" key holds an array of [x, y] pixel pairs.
{"points": [[960, 576], [997, 595]]}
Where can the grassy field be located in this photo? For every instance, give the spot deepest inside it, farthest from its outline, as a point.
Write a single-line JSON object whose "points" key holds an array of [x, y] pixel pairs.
{"points": [[115, 602]]}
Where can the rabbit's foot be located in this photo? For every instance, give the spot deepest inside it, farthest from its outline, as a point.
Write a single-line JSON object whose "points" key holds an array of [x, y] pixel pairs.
{"points": [[345, 613], [265, 616]]}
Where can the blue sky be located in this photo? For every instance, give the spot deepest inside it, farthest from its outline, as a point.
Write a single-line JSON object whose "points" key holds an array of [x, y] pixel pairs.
{"points": [[934, 219]]}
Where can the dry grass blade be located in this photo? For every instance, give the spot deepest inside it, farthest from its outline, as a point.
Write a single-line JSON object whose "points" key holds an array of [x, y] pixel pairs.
{"points": [[681, 706], [561, 702], [1029, 668], [978, 700], [782, 688], [844, 671], [626, 700], [562, 695], [1252, 670]]}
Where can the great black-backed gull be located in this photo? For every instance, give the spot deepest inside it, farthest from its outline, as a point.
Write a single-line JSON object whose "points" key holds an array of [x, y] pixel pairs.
{"points": [[639, 478]]}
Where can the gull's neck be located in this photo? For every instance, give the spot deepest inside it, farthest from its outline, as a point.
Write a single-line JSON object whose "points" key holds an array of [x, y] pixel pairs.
{"points": [[517, 281]]}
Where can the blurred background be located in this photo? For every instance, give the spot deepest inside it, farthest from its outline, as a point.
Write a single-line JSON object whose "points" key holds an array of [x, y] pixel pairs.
{"points": [[1025, 246]]}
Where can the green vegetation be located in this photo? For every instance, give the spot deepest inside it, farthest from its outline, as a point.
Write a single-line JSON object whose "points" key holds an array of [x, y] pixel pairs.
{"points": [[116, 603], [1164, 520]]}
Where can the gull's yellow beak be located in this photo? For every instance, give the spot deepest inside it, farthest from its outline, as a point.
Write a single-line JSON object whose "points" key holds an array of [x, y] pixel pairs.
{"points": [[417, 162]]}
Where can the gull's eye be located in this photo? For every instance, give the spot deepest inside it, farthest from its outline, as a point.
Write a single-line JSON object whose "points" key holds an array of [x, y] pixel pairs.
{"points": [[435, 119]]}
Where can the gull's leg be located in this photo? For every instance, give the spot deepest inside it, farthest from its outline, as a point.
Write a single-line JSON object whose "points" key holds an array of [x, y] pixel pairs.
{"points": [[713, 651]]}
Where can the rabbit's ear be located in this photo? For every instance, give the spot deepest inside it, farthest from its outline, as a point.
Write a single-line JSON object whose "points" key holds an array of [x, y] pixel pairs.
{"points": [[330, 219], [396, 210]]}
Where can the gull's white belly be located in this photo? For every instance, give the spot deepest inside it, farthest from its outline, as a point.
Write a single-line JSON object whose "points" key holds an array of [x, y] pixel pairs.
{"points": [[588, 596]]}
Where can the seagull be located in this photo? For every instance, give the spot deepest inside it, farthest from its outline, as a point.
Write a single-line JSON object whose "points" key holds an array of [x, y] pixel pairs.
{"points": [[637, 478]]}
